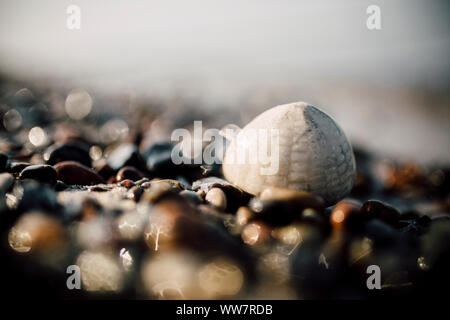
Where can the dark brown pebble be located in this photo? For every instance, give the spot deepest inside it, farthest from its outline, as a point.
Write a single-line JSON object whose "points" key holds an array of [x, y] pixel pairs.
{"points": [[74, 173], [3, 161], [129, 173], [127, 183], [374, 209], [39, 172], [104, 170]]}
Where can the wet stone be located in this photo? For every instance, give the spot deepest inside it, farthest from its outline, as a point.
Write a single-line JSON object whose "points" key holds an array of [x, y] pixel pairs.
{"points": [[129, 173], [39, 172], [70, 151], [74, 173], [125, 155]]}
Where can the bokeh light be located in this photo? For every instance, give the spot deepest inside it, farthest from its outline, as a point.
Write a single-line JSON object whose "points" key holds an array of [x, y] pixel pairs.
{"points": [[12, 120], [37, 136], [78, 104]]}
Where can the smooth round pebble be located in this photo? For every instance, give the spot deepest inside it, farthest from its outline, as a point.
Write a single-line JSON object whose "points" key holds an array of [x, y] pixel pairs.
{"points": [[217, 198], [74, 173]]}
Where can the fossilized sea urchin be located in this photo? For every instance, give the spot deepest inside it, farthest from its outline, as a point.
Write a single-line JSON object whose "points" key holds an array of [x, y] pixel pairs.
{"points": [[313, 153]]}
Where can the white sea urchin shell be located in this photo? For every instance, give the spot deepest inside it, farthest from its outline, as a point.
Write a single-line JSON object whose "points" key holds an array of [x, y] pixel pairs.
{"points": [[313, 153]]}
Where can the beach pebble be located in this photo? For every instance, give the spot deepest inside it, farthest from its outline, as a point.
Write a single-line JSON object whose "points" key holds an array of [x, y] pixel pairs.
{"points": [[374, 209], [3, 162], [346, 214], [16, 167], [126, 154], [129, 173], [302, 199], [217, 198], [159, 159], [69, 151], [39, 172], [192, 196], [74, 173]]}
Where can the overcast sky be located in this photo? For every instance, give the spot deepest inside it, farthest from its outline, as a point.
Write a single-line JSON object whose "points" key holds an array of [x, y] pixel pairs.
{"points": [[140, 43]]}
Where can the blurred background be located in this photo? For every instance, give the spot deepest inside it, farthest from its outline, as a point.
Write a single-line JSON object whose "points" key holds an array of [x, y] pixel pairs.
{"points": [[388, 88]]}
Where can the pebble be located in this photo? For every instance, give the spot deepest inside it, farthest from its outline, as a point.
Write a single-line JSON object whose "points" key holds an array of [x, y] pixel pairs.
{"points": [[236, 197], [33, 195], [346, 214], [43, 233], [40, 172], [159, 159], [3, 162], [6, 181], [136, 192], [217, 198], [274, 212], [74, 173], [158, 189], [374, 209], [243, 216], [129, 173], [301, 199], [192, 196], [256, 233], [69, 151], [127, 183], [60, 186], [16, 167], [103, 169], [126, 154]]}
